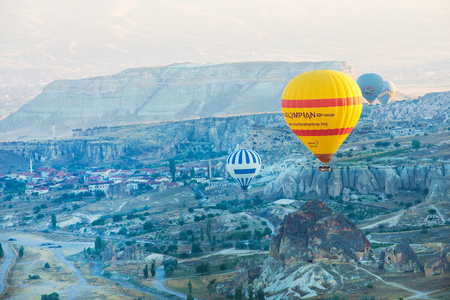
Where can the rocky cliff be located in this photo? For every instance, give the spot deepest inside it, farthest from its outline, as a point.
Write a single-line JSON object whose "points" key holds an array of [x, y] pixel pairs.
{"points": [[316, 233], [297, 266], [400, 258], [307, 180], [173, 92]]}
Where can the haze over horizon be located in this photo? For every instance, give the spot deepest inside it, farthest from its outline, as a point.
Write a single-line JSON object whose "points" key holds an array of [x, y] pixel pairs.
{"points": [[405, 41]]}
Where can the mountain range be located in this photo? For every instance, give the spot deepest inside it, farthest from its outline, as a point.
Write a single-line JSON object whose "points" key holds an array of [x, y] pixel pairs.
{"points": [[174, 92]]}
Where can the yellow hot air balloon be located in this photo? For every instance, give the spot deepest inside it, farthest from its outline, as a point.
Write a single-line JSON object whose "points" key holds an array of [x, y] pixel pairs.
{"points": [[322, 107]]}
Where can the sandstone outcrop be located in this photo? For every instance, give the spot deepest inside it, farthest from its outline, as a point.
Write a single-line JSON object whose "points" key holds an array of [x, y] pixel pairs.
{"points": [[437, 263], [130, 253], [307, 180], [400, 258], [439, 190], [247, 271], [109, 253], [298, 264], [315, 234]]}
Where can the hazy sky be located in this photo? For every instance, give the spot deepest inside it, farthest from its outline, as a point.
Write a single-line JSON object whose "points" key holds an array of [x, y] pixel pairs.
{"points": [[86, 37]]}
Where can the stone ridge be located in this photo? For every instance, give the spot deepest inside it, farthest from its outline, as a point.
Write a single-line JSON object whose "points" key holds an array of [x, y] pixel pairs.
{"points": [[316, 234], [174, 92]]}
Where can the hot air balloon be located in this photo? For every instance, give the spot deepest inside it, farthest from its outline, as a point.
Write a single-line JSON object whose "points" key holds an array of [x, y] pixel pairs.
{"points": [[387, 93], [243, 165], [371, 85], [322, 108]]}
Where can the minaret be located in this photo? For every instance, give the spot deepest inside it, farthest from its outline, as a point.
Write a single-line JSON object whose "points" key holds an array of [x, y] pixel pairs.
{"points": [[31, 166]]}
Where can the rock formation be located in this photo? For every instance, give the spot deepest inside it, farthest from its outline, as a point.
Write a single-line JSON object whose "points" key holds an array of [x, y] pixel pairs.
{"points": [[247, 271], [437, 263], [400, 258], [130, 253], [316, 234], [297, 266], [174, 92], [439, 190], [307, 180], [109, 253]]}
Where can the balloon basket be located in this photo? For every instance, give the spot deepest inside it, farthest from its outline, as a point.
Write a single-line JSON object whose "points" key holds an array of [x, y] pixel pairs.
{"points": [[324, 168]]}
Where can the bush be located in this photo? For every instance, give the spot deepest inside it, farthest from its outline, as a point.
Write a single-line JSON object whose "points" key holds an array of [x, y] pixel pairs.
{"points": [[123, 231], [202, 268], [117, 218], [52, 296], [98, 222], [34, 277], [148, 226], [196, 248], [240, 245]]}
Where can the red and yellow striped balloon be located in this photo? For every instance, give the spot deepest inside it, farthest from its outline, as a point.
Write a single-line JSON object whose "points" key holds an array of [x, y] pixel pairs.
{"points": [[322, 107]]}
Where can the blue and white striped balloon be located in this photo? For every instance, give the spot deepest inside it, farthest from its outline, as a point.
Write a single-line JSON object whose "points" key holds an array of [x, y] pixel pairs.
{"points": [[243, 165]]}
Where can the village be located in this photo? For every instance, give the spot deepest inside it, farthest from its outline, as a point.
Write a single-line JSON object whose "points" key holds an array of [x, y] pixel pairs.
{"points": [[108, 182]]}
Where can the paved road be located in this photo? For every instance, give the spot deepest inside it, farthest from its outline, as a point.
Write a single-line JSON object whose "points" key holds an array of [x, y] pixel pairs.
{"points": [[9, 256], [269, 224], [158, 283]]}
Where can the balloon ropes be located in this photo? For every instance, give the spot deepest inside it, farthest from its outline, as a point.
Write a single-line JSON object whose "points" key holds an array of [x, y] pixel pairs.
{"points": [[322, 107], [371, 85], [243, 165], [387, 93]]}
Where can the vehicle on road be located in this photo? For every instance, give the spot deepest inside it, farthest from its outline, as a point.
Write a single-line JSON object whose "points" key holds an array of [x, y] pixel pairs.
{"points": [[12, 239]]}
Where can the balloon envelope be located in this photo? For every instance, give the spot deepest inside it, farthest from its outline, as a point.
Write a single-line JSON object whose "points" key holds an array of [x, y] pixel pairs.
{"points": [[371, 85], [243, 165], [387, 93], [322, 108]]}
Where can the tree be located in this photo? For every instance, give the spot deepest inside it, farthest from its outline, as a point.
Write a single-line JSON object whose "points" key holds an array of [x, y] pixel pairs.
{"points": [[99, 194], [415, 144], [123, 231], [202, 268], [172, 248], [260, 294], [1, 251], [238, 293], [250, 292], [190, 287], [99, 244], [21, 250], [53, 221], [153, 269], [52, 296], [192, 172], [47, 266], [183, 236], [146, 271], [196, 248], [208, 229], [172, 168], [117, 218], [148, 226], [431, 211], [189, 297]]}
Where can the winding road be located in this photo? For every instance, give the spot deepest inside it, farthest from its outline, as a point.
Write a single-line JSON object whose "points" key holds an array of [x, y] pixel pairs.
{"points": [[417, 294], [9, 256], [77, 291]]}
